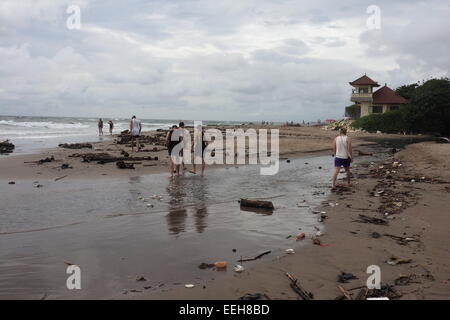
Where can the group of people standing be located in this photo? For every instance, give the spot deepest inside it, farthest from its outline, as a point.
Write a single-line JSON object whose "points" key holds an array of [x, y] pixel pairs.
{"points": [[176, 163], [100, 127], [342, 148]]}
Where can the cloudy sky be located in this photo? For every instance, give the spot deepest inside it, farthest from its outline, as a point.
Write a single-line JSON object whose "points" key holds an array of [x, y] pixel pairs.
{"points": [[219, 60]]}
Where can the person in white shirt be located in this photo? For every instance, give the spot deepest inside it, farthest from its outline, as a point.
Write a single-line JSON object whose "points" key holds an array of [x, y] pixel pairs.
{"points": [[135, 129], [343, 153]]}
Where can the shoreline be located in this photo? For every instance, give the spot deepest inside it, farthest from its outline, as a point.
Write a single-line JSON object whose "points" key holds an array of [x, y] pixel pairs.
{"points": [[294, 142]]}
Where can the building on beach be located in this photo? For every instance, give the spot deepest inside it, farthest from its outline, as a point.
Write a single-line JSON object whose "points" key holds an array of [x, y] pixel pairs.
{"points": [[370, 101]]}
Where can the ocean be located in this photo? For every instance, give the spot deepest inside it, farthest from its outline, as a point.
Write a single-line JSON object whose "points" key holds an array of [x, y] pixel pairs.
{"points": [[31, 134]]}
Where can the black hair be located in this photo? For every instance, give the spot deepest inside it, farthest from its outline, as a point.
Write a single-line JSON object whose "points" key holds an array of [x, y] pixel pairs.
{"points": [[181, 124], [133, 117]]}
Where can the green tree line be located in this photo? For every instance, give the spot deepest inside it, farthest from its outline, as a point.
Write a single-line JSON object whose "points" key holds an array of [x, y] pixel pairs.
{"points": [[427, 110]]}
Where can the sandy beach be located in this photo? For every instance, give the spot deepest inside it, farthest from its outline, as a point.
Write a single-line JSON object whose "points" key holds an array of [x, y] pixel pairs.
{"points": [[113, 225]]}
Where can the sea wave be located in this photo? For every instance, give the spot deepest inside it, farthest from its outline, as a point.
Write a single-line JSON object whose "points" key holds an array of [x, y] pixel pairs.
{"points": [[43, 124]]}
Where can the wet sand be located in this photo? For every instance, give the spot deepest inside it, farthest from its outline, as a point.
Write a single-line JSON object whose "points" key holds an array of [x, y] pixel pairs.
{"points": [[419, 212]]}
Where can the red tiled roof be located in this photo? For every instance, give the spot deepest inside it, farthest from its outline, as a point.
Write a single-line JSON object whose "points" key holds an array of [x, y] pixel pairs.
{"points": [[388, 96], [364, 80]]}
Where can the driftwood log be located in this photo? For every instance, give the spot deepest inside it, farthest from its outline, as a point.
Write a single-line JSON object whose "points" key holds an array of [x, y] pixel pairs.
{"points": [[260, 204], [102, 158], [255, 258], [366, 219], [75, 145], [124, 165], [295, 285]]}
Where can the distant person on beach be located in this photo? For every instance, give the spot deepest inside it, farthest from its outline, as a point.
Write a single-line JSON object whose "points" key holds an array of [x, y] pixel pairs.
{"points": [[100, 127], [135, 129], [111, 127], [173, 168], [199, 149], [342, 150]]}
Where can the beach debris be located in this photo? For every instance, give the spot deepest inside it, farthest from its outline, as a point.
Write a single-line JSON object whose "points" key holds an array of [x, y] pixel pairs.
{"points": [[260, 204], [290, 251], [404, 280], [60, 178], [375, 235], [316, 240], [103, 158], [189, 286], [297, 288], [12, 182], [344, 277], [344, 293], [362, 294], [386, 291], [75, 145], [395, 261], [141, 279], [300, 236], [205, 265], [42, 161], [255, 258], [442, 140], [238, 268], [149, 205], [402, 240], [125, 154], [65, 166], [220, 264], [366, 219], [123, 165], [38, 185], [254, 296], [6, 147]]}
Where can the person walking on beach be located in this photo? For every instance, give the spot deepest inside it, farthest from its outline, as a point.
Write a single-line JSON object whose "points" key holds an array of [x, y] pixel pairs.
{"points": [[181, 127], [135, 129], [199, 149], [342, 150], [173, 167], [100, 127], [111, 127]]}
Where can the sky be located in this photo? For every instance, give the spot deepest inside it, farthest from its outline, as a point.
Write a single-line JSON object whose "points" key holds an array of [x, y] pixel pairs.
{"points": [[249, 60]]}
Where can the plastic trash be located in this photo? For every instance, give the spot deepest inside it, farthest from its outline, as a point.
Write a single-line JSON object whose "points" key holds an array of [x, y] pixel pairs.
{"points": [[238, 268]]}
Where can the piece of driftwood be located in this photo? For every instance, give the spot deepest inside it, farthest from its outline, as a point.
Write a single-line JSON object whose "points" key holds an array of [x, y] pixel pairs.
{"points": [[48, 159], [102, 158], [60, 178], [75, 145], [366, 219], [295, 285], [345, 293], [401, 240], [255, 258], [257, 204], [123, 165], [362, 294]]}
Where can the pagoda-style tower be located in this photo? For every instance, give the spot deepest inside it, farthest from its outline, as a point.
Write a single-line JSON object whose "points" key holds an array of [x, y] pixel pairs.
{"points": [[362, 94]]}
